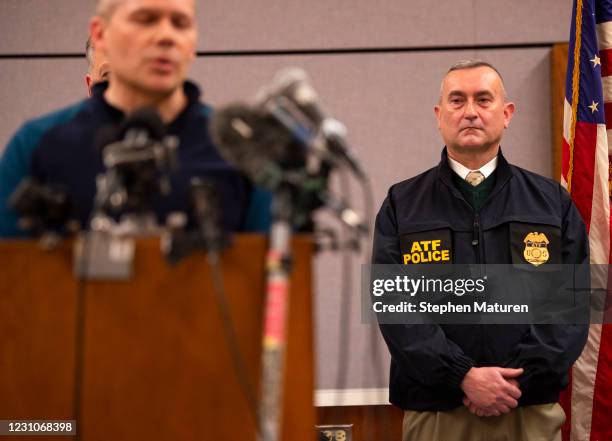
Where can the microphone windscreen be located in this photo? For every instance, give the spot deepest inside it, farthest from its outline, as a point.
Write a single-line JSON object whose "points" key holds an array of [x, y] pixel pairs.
{"points": [[232, 129], [249, 139], [282, 82], [147, 119]]}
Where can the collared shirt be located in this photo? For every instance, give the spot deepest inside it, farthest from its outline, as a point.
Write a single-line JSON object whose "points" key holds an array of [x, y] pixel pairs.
{"points": [[463, 171]]}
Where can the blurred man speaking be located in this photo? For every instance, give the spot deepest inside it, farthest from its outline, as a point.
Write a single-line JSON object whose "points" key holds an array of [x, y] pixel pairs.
{"points": [[149, 46]]}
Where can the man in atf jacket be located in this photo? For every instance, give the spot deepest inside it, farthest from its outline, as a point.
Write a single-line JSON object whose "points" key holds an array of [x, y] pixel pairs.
{"points": [[471, 382]]}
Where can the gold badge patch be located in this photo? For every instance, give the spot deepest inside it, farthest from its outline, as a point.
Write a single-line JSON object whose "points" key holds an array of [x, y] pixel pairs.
{"points": [[536, 250]]}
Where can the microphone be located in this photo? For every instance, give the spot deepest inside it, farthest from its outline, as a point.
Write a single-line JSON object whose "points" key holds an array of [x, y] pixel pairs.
{"points": [[137, 156], [254, 142], [293, 84], [205, 204], [334, 133], [145, 119], [128, 142], [344, 212], [285, 140], [178, 242], [41, 207]]}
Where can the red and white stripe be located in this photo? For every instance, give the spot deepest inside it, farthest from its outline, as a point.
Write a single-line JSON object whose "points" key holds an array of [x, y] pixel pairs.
{"points": [[604, 40], [591, 401]]}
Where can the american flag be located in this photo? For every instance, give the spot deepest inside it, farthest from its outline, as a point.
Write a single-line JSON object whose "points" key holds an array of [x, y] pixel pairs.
{"points": [[586, 175]]}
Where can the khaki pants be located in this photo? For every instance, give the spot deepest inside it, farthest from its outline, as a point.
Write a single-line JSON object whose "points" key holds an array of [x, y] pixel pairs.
{"points": [[530, 423]]}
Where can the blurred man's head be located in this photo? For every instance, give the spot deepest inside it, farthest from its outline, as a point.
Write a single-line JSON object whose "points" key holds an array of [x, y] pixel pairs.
{"points": [[98, 68], [149, 43]]}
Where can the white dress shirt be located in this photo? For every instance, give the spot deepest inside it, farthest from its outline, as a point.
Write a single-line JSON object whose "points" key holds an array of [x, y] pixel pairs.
{"points": [[463, 171]]}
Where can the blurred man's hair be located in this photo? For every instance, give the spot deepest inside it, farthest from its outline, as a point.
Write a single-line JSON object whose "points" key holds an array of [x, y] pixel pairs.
{"points": [[105, 8], [89, 53]]}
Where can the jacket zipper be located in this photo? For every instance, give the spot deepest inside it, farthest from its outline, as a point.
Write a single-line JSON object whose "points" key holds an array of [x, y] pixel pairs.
{"points": [[476, 237], [478, 245]]}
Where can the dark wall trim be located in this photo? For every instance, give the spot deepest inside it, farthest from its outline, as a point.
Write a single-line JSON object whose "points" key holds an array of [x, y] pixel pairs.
{"points": [[329, 51]]}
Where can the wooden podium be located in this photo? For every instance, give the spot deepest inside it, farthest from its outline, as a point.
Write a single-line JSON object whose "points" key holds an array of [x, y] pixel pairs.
{"points": [[156, 364]]}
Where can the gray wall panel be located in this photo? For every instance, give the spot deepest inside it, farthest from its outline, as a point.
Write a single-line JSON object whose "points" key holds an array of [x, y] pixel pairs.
{"points": [[500, 21], [33, 26], [294, 24], [33, 87], [44, 26]]}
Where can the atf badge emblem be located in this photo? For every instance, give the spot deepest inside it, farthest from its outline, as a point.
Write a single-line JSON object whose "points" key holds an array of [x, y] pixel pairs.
{"points": [[536, 248]]}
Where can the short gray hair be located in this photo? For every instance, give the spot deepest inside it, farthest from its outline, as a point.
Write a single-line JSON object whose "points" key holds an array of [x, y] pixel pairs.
{"points": [[105, 8], [473, 64]]}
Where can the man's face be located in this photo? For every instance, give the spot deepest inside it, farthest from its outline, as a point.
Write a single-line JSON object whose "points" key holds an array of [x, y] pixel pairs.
{"points": [[472, 113], [149, 43], [98, 71]]}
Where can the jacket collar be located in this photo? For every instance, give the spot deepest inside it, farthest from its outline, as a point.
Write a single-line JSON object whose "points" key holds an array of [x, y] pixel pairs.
{"points": [[503, 174], [192, 91]]}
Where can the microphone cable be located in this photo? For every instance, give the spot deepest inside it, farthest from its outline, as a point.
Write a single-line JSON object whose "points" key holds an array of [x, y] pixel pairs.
{"points": [[346, 302], [376, 364], [204, 203], [79, 348], [231, 339], [346, 288], [345, 306]]}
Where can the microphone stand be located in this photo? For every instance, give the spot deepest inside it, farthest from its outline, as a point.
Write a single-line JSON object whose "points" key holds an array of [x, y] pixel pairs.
{"points": [[278, 265]]}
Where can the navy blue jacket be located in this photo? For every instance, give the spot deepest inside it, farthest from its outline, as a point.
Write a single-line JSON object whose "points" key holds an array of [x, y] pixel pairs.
{"points": [[61, 149], [429, 361]]}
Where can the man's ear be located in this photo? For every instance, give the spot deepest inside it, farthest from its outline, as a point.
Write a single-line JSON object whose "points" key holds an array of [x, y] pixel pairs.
{"points": [[437, 113], [96, 32], [89, 82], [509, 109]]}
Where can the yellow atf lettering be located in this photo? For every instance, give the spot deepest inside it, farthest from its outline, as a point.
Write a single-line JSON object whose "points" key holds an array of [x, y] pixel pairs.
{"points": [[426, 251]]}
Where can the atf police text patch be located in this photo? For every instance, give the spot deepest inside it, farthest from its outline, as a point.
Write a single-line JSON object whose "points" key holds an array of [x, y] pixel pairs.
{"points": [[427, 247]]}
